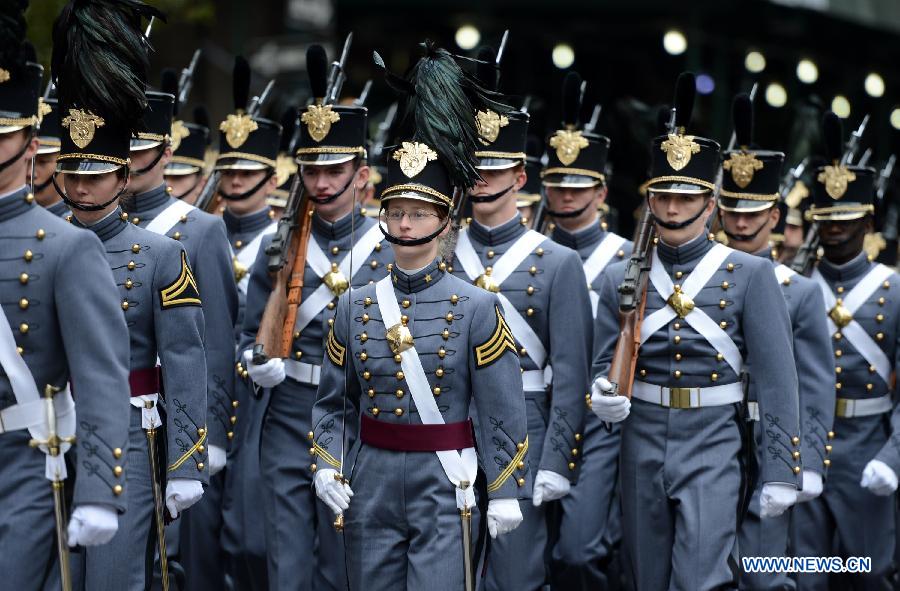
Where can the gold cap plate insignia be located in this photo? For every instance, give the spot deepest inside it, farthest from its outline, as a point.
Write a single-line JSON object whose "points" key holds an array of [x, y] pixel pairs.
{"points": [[285, 167], [178, 133], [489, 124], [679, 149], [318, 120], [82, 126], [836, 178], [413, 157], [742, 166], [680, 302], [238, 127], [4, 76], [568, 145]]}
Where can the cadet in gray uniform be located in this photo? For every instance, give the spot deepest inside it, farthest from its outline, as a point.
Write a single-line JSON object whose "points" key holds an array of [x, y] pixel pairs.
{"points": [[60, 323], [184, 172], [45, 161], [590, 519], [748, 211], [709, 312], [546, 303], [855, 514], [333, 171], [411, 354]]}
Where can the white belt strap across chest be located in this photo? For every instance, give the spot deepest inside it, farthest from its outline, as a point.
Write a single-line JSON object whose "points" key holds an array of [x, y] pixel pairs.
{"points": [[30, 410], [597, 261], [458, 466], [319, 263], [501, 271], [168, 217], [697, 318], [854, 332], [247, 256]]}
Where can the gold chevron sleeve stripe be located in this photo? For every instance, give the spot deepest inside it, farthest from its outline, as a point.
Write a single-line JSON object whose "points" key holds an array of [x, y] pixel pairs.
{"points": [[507, 472], [323, 453], [195, 448], [183, 292], [335, 350], [501, 340]]}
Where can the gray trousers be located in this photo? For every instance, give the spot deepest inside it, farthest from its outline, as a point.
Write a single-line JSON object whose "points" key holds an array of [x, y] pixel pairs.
{"points": [[200, 539], [590, 526], [123, 562], [403, 529], [27, 526], [848, 520], [681, 482], [304, 551], [759, 537], [517, 559]]}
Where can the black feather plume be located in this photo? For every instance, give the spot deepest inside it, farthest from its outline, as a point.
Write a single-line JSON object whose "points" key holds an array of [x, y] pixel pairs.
{"points": [[742, 115], [100, 58], [833, 135], [169, 84], [571, 99], [443, 109], [201, 116], [317, 69], [240, 83], [685, 91], [13, 53], [288, 123], [485, 69]]}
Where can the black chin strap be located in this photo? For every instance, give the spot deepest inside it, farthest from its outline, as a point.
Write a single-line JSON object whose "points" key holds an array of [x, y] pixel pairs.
{"points": [[81, 207], [415, 241], [490, 198], [676, 225], [741, 237], [330, 198], [41, 186], [245, 194], [194, 186], [149, 167], [566, 214], [6, 163]]}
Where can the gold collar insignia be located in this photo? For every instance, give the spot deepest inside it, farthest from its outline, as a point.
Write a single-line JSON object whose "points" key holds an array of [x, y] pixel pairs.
{"points": [[835, 178], [178, 133], [489, 124], [742, 166], [568, 145], [413, 157], [82, 126], [43, 109], [678, 149], [238, 127], [4, 76], [318, 120]]}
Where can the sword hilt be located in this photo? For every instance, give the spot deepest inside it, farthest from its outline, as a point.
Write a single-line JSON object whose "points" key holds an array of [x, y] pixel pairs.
{"points": [[339, 519], [53, 442]]}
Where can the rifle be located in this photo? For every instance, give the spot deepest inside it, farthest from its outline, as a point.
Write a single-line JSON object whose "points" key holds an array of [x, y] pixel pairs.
{"points": [[186, 81], [206, 201], [852, 145], [790, 180], [595, 119], [287, 253], [360, 101], [632, 300]]}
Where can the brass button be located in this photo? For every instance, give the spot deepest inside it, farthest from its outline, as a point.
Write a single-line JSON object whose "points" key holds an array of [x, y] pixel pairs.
{"points": [[723, 324], [840, 289], [530, 290], [201, 432], [125, 304], [436, 390], [233, 419], [529, 312], [490, 254], [296, 335], [837, 369], [533, 270], [879, 336], [719, 357], [373, 264], [363, 356], [837, 336], [677, 339], [578, 437], [331, 322], [831, 435], [41, 234], [449, 317], [574, 452], [838, 386], [724, 285], [20, 350], [445, 334], [335, 250], [177, 235], [439, 372], [131, 265], [23, 303], [677, 326], [23, 278], [117, 471], [678, 274], [367, 302], [375, 411], [730, 267], [135, 220], [643, 373], [879, 318], [117, 489], [117, 453], [200, 466], [404, 319], [313, 467], [520, 446], [838, 352], [28, 256], [442, 352], [869, 387], [714, 376], [523, 352], [235, 403], [398, 358], [399, 375], [871, 369], [183, 219], [367, 375], [330, 305], [363, 337], [454, 299], [238, 243], [201, 448], [135, 248], [677, 356], [722, 304], [398, 412], [796, 469], [129, 284], [406, 303], [520, 465], [886, 284], [365, 318], [677, 373], [880, 301], [826, 462], [828, 449], [23, 328], [399, 393], [371, 392], [520, 482]]}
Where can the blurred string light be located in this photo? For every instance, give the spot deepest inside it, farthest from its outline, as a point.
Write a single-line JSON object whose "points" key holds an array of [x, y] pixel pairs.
{"points": [[563, 56], [841, 106], [776, 95], [705, 84], [467, 37], [874, 85], [755, 62], [895, 118], [674, 42], [807, 71]]}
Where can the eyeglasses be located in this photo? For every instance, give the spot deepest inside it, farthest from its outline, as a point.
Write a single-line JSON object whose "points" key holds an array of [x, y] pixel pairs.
{"points": [[417, 217]]}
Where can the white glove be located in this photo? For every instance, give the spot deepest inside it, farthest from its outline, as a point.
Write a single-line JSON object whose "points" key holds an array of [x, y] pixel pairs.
{"points": [[181, 493], [608, 407], [91, 525], [879, 478], [216, 459], [775, 499], [503, 516], [812, 486], [267, 375], [333, 492], [549, 486]]}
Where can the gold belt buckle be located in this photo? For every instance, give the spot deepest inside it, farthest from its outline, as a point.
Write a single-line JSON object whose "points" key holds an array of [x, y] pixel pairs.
{"points": [[680, 398], [841, 407]]}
